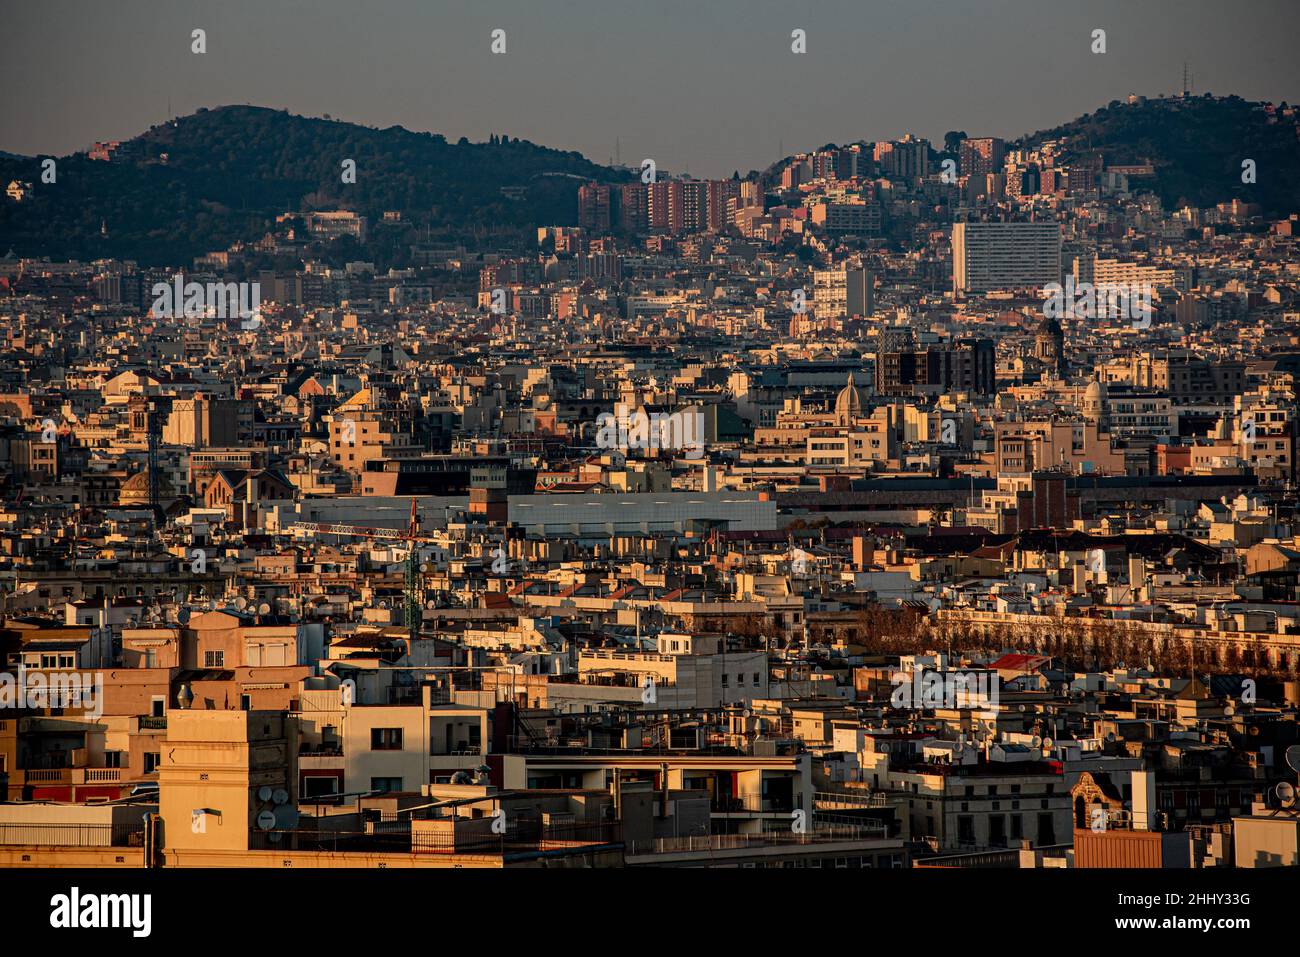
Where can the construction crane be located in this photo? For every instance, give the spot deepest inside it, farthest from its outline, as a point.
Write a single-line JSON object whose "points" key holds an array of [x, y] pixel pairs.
{"points": [[413, 588], [152, 422]]}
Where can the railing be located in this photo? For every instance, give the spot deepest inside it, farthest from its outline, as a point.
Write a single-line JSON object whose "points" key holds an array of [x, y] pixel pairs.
{"points": [[724, 805], [71, 835], [848, 800], [71, 776], [988, 857], [49, 776], [730, 842], [153, 723], [398, 839]]}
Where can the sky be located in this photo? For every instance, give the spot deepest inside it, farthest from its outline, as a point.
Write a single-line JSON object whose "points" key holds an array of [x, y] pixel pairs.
{"points": [[703, 87]]}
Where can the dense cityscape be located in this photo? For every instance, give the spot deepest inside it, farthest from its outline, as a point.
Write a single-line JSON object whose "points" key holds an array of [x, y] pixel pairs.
{"points": [[899, 505]]}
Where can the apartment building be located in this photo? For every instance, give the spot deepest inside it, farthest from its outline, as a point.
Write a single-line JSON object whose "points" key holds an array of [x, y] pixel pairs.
{"points": [[999, 256]]}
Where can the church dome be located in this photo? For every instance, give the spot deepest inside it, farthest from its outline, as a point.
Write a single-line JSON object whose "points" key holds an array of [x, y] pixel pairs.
{"points": [[134, 492], [849, 403], [1094, 402]]}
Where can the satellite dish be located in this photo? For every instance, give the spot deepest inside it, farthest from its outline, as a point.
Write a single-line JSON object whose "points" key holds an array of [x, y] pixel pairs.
{"points": [[241, 602], [1037, 742], [266, 820], [1285, 793], [286, 817], [264, 793], [1111, 737], [183, 616], [280, 796], [264, 609], [1293, 757], [1048, 742], [1229, 709]]}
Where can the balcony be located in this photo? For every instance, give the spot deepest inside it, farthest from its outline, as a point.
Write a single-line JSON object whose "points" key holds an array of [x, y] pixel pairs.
{"points": [[752, 805], [153, 723], [48, 776], [71, 777], [460, 750], [320, 750]]}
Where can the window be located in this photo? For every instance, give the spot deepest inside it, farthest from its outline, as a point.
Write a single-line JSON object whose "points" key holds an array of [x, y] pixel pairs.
{"points": [[319, 786], [112, 759], [385, 739], [385, 784], [151, 761], [1046, 829], [214, 659]]}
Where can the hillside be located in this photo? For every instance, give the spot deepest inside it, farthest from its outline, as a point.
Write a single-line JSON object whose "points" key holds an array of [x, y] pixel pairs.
{"points": [[201, 182], [1196, 145]]}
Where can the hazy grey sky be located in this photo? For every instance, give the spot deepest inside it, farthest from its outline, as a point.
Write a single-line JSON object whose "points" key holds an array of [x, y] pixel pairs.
{"points": [[704, 86]]}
